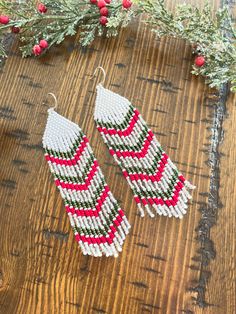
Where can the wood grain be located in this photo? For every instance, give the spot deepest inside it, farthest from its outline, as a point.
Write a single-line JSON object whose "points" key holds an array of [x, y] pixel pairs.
{"points": [[41, 268]]}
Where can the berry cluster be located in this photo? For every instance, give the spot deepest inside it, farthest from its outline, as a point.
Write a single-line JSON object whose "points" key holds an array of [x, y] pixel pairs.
{"points": [[43, 44], [38, 49], [5, 20], [104, 12]]}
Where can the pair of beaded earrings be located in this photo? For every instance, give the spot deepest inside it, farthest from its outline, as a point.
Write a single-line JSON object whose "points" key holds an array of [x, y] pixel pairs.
{"points": [[100, 225]]}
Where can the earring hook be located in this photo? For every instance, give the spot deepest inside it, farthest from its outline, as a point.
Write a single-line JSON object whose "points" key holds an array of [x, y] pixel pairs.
{"points": [[55, 99], [104, 74]]}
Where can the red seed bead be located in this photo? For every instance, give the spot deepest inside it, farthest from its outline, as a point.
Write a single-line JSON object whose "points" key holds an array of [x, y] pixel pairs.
{"points": [[42, 8], [103, 20], [37, 50], [101, 3], [200, 61], [126, 4], [104, 11], [15, 29], [4, 19], [43, 44], [93, 1]]}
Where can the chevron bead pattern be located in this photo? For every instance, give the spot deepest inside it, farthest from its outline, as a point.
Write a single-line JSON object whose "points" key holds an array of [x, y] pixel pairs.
{"points": [[157, 184], [99, 224]]}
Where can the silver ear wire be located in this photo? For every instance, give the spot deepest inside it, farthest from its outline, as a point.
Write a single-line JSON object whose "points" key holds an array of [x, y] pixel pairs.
{"points": [[55, 99], [104, 74]]}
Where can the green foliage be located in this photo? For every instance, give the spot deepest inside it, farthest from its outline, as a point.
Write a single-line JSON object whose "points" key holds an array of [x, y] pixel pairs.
{"points": [[212, 35]]}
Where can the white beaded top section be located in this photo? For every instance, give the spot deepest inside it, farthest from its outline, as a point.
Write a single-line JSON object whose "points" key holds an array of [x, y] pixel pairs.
{"points": [[110, 107], [60, 132]]}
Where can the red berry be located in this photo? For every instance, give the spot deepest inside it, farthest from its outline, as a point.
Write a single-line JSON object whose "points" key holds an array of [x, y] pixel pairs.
{"points": [[4, 19], [108, 1], [104, 11], [93, 1], [42, 8], [200, 61], [37, 50], [15, 29], [103, 20], [126, 4], [101, 3], [43, 44]]}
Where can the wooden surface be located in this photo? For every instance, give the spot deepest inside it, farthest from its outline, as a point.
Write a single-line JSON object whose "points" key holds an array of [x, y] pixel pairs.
{"points": [[167, 265]]}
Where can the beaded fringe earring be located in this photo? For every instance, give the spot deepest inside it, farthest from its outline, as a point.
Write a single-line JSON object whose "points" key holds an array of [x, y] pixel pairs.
{"points": [[99, 224], [154, 179]]}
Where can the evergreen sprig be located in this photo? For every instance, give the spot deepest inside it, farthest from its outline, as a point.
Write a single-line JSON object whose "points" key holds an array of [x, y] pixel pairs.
{"points": [[63, 18], [212, 35]]}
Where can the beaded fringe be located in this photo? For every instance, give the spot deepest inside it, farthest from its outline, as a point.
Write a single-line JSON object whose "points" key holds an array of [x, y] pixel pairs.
{"points": [[157, 184], [99, 224]]}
